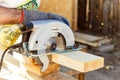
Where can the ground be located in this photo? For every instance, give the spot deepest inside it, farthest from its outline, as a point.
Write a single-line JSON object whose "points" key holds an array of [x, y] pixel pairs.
{"points": [[111, 71]]}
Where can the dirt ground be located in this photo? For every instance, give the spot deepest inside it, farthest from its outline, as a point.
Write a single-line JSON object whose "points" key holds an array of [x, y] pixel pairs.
{"points": [[111, 71]]}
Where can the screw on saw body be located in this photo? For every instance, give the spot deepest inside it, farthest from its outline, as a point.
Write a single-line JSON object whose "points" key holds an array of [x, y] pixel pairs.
{"points": [[76, 45]]}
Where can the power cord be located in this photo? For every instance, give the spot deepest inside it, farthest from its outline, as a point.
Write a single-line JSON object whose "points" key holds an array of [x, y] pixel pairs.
{"points": [[3, 55]]}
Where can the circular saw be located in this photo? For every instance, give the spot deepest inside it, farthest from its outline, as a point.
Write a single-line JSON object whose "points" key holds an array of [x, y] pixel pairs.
{"points": [[48, 36], [43, 38]]}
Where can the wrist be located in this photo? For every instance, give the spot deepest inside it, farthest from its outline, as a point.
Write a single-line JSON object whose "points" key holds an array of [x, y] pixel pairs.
{"points": [[21, 19]]}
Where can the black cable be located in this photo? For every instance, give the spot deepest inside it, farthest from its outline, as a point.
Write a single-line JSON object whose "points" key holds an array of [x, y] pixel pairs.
{"points": [[24, 30], [1, 61], [2, 57]]}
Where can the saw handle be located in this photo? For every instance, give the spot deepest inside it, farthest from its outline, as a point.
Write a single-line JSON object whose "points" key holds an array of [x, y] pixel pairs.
{"points": [[26, 27]]}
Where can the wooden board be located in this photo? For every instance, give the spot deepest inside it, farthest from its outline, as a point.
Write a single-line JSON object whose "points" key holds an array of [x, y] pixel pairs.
{"points": [[80, 61], [77, 60], [26, 66], [93, 44], [87, 37], [61, 7], [56, 75], [90, 40], [75, 15]]}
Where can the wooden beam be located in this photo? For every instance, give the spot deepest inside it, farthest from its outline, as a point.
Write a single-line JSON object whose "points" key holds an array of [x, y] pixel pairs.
{"points": [[75, 15], [22, 64], [81, 76], [93, 44], [58, 75], [87, 9], [63, 8], [78, 60], [87, 37], [73, 73], [90, 40]]}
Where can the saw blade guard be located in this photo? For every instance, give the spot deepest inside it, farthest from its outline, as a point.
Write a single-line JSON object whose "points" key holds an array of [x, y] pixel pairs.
{"points": [[46, 29]]}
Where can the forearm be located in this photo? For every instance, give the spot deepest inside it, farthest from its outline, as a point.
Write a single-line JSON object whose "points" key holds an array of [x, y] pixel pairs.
{"points": [[14, 16], [9, 15]]}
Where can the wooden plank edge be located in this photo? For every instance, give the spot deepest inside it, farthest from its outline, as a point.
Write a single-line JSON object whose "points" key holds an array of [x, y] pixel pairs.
{"points": [[88, 37], [93, 44], [79, 66]]}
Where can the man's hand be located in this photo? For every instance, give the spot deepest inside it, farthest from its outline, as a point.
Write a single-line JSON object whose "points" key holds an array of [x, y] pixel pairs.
{"points": [[35, 15]]}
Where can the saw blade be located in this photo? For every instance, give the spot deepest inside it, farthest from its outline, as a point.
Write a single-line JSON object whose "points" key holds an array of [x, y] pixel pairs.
{"points": [[56, 43], [53, 44]]}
